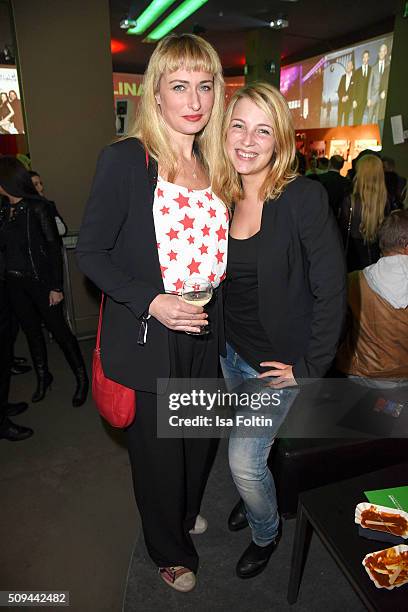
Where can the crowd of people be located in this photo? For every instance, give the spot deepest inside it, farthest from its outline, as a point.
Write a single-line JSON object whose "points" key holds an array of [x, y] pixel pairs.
{"points": [[199, 192]]}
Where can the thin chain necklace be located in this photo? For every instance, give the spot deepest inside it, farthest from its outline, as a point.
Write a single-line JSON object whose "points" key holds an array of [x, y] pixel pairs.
{"points": [[195, 165]]}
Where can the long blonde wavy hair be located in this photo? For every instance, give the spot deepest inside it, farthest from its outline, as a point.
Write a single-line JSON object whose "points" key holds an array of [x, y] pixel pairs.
{"points": [[191, 53], [370, 190], [282, 170]]}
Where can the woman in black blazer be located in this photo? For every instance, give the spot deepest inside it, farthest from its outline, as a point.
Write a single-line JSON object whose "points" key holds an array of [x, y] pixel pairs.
{"points": [[153, 221], [32, 251], [285, 293]]}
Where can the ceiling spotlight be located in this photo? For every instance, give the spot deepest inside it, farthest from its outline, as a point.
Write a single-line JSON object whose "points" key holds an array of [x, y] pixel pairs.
{"points": [[279, 24], [127, 23]]}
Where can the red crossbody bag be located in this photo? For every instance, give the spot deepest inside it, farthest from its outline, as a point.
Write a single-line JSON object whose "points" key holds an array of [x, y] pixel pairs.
{"points": [[115, 402]]}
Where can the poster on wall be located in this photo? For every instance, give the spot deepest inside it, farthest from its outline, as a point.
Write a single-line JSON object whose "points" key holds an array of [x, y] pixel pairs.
{"points": [[11, 114], [366, 143], [339, 147], [317, 148], [344, 87]]}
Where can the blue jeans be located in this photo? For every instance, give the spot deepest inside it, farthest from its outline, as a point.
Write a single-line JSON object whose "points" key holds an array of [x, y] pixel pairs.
{"points": [[248, 456]]}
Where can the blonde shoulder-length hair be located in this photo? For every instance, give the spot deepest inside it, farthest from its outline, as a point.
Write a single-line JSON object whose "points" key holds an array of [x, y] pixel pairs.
{"points": [[282, 169], [191, 53], [369, 188]]}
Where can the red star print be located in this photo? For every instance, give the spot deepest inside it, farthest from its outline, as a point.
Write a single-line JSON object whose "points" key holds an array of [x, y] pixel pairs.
{"points": [[211, 278], [196, 287], [178, 284], [191, 240], [220, 233], [194, 267], [172, 234], [200, 204], [172, 255], [206, 230], [160, 192], [182, 201], [187, 222], [203, 248], [222, 277], [163, 270], [165, 210], [212, 212], [220, 256], [227, 216], [209, 195], [158, 245]]}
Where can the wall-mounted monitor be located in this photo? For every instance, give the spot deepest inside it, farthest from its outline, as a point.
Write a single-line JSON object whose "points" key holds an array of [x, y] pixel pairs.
{"points": [[344, 87], [11, 114]]}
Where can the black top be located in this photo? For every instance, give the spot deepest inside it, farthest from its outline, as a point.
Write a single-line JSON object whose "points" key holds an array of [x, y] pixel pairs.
{"points": [[243, 328], [301, 279], [14, 241], [31, 242]]}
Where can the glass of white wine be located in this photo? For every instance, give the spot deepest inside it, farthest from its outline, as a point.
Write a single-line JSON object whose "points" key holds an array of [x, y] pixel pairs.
{"points": [[198, 291]]}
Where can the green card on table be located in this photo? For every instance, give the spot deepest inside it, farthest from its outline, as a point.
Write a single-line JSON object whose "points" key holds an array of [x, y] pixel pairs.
{"points": [[396, 497]]}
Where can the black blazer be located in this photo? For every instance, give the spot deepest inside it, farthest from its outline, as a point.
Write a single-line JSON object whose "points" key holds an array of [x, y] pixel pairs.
{"points": [[337, 187], [301, 279], [117, 250]]}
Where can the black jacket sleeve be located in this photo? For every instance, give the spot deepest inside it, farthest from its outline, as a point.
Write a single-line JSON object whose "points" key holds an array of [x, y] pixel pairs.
{"points": [[105, 215], [52, 242], [322, 247]]}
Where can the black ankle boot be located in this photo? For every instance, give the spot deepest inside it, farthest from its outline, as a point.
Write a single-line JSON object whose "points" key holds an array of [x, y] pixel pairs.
{"points": [[44, 380], [237, 519], [82, 387], [254, 559]]}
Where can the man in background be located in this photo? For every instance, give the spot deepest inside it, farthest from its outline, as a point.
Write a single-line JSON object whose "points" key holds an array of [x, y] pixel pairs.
{"points": [[362, 78], [345, 92], [337, 186], [377, 87]]}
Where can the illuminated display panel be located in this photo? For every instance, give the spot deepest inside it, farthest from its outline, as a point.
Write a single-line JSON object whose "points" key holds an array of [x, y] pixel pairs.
{"points": [[11, 114], [334, 89]]}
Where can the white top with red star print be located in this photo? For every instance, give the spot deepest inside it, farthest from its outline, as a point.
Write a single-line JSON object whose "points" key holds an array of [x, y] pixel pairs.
{"points": [[192, 234]]}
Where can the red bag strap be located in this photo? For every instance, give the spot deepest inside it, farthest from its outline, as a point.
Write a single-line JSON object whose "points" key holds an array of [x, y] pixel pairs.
{"points": [[98, 334]]}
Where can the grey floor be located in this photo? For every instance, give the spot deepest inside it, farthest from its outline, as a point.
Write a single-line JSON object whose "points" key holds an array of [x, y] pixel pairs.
{"points": [[68, 522]]}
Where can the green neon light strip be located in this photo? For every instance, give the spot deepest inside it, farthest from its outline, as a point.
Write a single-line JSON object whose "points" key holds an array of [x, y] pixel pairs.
{"points": [[149, 15], [187, 8]]}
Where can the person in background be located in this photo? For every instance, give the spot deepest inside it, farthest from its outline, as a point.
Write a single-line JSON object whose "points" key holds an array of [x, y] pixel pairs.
{"points": [[362, 213], [153, 221], [39, 185], [284, 294], [345, 92], [375, 349], [378, 86], [401, 182], [8, 429], [31, 249], [362, 78], [15, 104], [337, 186]]}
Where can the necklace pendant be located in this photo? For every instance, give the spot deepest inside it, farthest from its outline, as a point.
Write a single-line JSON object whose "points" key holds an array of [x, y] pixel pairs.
{"points": [[194, 175]]}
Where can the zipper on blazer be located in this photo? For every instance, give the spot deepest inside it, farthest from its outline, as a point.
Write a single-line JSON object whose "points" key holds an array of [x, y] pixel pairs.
{"points": [[29, 246]]}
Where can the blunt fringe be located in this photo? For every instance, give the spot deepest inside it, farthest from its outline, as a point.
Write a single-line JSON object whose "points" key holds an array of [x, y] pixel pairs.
{"points": [[191, 53], [283, 167]]}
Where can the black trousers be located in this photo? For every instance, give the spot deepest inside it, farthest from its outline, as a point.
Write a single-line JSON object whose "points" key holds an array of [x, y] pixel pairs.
{"points": [[169, 475], [29, 301], [5, 350]]}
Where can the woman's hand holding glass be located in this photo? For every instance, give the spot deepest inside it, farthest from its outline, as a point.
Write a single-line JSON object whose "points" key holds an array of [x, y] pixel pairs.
{"points": [[197, 290], [178, 315]]}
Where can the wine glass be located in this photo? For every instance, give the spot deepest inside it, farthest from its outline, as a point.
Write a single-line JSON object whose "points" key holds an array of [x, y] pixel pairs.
{"points": [[198, 291]]}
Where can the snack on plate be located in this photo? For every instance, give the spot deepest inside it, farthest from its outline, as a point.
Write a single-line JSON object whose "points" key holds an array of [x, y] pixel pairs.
{"points": [[388, 568], [380, 518]]}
